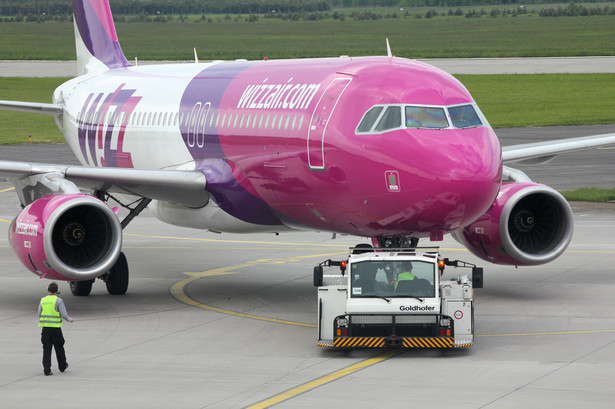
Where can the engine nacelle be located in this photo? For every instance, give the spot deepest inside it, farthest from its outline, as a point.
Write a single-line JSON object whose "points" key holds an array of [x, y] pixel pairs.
{"points": [[528, 224], [70, 237]]}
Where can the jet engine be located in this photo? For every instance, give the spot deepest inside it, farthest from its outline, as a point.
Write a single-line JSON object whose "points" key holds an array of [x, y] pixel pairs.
{"points": [[528, 224], [71, 237]]}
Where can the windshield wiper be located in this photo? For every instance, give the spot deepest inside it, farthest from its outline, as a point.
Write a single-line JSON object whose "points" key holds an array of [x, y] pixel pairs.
{"points": [[422, 300], [380, 296]]}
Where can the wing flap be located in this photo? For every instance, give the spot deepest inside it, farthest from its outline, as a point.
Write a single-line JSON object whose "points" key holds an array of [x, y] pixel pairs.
{"points": [[186, 187], [535, 151]]}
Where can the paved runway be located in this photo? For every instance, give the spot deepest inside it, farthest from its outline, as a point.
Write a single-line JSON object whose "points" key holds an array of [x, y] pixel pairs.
{"points": [[226, 321], [517, 65]]}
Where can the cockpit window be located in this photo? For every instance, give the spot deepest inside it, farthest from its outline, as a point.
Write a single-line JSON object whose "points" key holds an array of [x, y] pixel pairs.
{"points": [[388, 117], [369, 119], [390, 120], [464, 116], [426, 117]]}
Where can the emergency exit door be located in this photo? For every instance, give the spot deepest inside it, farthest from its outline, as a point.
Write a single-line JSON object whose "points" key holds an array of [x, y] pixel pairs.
{"points": [[320, 119]]}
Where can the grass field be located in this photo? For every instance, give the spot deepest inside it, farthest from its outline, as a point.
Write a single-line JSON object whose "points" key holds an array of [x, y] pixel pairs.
{"points": [[590, 194], [544, 99], [506, 100], [16, 126], [525, 35]]}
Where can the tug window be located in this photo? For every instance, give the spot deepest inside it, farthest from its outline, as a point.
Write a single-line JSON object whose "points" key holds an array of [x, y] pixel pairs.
{"points": [[426, 117], [464, 116]]}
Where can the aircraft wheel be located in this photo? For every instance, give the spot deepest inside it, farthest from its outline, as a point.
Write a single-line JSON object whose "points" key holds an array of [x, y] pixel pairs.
{"points": [[117, 279], [80, 288]]}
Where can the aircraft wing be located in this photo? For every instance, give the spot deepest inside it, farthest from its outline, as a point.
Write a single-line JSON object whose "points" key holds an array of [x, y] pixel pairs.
{"points": [[32, 107], [541, 152], [186, 187]]}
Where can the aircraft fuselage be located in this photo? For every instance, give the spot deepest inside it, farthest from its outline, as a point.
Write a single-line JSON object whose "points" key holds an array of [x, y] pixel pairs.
{"points": [[279, 143]]}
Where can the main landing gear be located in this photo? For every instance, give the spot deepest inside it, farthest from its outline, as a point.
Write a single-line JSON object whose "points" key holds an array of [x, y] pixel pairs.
{"points": [[116, 278]]}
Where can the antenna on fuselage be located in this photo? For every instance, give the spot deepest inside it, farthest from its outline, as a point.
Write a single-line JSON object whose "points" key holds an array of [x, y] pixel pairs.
{"points": [[196, 57], [389, 54]]}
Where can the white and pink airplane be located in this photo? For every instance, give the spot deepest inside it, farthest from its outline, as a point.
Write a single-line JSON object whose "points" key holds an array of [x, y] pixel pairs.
{"points": [[380, 147]]}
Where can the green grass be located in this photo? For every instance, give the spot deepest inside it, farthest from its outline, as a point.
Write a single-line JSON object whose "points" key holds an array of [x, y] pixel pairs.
{"points": [[544, 99], [412, 38], [506, 100], [16, 126], [589, 194]]}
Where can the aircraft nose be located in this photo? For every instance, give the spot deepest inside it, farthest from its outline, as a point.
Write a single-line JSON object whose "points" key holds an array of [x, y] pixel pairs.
{"points": [[455, 177], [469, 171]]}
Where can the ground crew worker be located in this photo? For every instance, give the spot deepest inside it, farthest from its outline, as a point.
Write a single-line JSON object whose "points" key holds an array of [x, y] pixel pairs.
{"points": [[51, 311], [405, 275]]}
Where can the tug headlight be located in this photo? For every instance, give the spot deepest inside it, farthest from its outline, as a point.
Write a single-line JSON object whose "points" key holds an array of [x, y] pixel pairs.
{"points": [[342, 322], [445, 322]]}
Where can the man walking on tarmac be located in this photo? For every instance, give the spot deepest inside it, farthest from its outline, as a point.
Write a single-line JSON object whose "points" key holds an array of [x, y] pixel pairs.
{"points": [[51, 310]]}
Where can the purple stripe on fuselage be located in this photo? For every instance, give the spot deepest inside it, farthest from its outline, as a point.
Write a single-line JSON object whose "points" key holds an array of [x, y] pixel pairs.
{"points": [[201, 100], [96, 35]]}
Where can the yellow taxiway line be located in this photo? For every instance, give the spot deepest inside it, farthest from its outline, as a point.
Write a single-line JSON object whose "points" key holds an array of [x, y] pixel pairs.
{"points": [[274, 400], [178, 289]]}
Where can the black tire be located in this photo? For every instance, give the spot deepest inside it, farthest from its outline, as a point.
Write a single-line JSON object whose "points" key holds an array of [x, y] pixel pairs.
{"points": [[81, 288], [362, 248], [117, 279]]}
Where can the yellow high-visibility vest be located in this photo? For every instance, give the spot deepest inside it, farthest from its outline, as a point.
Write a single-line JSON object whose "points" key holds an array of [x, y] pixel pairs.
{"points": [[49, 316], [405, 276]]}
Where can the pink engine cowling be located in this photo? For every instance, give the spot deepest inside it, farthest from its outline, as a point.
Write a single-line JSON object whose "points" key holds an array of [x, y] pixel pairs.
{"points": [[70, 237], [528, 224]]}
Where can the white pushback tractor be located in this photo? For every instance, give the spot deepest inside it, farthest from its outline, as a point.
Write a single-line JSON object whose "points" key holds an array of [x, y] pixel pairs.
{"points": [[395, 298]]}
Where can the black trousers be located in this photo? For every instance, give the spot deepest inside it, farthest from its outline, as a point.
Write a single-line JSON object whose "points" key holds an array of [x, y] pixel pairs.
{"points": [[53, 337]]}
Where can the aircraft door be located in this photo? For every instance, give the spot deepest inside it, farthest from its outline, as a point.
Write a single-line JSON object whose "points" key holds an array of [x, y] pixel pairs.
{"points": [[318, 124]]}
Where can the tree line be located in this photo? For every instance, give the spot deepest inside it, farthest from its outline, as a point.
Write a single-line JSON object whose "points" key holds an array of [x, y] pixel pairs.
{"points": [[167, 7], [183, 7]]}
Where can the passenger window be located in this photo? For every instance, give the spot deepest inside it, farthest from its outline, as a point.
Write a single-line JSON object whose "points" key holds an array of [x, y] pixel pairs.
{"points": [[369, 119], [390, 120], [426, 118], [464, 117]]}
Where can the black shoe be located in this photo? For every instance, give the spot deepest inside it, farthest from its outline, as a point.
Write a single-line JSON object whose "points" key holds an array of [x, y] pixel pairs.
{"points": [[62, 370], [50, 373]]}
